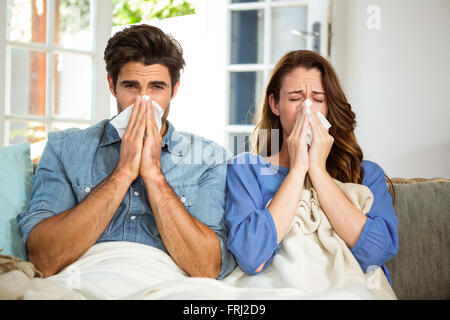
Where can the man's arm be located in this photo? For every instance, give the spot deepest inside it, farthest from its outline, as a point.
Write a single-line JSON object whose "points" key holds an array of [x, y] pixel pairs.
{"points": [[192, 245], [59, 240]]}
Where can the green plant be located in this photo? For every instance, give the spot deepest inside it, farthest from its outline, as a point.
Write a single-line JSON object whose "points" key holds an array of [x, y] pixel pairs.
{"points": [[135, 11], [75, 14]]}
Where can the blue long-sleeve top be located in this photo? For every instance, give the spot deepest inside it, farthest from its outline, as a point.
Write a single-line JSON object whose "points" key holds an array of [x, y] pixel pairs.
{"points": [[252, 181]]}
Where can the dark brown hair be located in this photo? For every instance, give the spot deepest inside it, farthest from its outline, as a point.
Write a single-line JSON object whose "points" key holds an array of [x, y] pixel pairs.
{"points": [[144, 44], [344, 160]]}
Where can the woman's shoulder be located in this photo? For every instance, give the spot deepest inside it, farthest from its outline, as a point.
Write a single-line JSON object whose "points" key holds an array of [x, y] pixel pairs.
{"points": [[372, 171], [247, 158], [250, 163]]}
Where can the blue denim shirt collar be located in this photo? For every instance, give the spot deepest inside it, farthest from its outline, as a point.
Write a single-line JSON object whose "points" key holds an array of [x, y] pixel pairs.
{"points": [[168, 143]]}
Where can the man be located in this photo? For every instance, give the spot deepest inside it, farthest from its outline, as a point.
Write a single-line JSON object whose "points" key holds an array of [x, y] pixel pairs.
{"points": [[92, 186]]}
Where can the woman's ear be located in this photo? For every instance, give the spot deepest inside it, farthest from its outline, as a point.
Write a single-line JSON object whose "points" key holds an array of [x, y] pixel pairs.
{"points": [[273, 105]]}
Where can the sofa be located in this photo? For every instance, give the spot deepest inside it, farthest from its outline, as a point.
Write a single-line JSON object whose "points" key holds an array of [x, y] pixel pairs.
{"points": [[419, 270]]}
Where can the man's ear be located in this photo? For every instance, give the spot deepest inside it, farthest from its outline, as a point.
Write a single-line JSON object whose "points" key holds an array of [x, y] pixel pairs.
{"points": [[111, 86], [273, 105], [175, 89]]}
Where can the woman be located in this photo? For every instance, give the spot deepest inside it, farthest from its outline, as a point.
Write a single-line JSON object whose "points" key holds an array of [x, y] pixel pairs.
{"points": [[256, 231]]}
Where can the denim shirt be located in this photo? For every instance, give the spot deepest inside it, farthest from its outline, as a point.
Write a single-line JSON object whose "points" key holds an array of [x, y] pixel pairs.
{"points": [[75, 161]]}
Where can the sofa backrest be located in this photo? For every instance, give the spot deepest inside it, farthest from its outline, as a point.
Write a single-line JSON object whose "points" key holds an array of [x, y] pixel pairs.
{"points": [[420, 270]]}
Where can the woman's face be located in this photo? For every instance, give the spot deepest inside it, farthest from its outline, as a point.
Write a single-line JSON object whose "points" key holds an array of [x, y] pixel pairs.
{"points": [[296, 87]]}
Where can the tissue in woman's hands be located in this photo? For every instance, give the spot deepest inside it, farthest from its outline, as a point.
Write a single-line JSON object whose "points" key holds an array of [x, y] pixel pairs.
{"points": [[322, 119], [121, 121]]}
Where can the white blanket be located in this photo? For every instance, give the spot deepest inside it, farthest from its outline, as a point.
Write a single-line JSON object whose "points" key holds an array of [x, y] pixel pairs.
{"points": [[313, 263]]}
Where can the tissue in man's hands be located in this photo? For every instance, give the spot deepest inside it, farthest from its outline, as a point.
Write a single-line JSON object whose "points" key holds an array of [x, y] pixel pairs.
{"points": [[121, 121]]}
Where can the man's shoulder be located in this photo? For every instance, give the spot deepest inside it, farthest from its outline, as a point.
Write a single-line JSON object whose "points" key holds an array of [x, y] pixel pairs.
{"points": [[77, 135]]}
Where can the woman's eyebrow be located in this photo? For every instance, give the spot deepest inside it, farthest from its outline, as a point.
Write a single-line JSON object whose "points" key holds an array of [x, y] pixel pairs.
{"points": [[301, 91]]}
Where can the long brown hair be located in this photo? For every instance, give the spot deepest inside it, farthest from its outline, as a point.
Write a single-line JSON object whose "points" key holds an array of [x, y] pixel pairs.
{"points": [[344, 160]]}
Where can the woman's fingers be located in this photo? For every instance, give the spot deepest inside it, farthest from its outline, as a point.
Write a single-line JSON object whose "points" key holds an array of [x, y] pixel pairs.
{"points": [[300, 121], [316, 126], [320, 134]]}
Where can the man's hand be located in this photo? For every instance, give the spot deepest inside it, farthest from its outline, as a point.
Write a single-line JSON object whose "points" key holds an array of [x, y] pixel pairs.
{"points": [[151, 153], [132, 142]]}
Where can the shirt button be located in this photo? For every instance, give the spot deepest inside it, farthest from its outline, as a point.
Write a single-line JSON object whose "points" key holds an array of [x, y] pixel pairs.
{"points": [[133, 217], [87, 189], [136, 193], [183, 199]]}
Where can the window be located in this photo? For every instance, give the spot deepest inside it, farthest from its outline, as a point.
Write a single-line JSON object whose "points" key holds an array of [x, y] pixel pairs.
{"points": [[260, 33], [54, 70]]}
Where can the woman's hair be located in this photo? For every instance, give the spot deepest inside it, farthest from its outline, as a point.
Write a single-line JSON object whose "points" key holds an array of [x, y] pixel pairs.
{"points": [[344, 160], [144, 44]]}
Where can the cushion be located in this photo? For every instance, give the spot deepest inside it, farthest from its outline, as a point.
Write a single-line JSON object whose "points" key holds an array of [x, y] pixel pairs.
{"points": [[15, 192], [420, 269]]}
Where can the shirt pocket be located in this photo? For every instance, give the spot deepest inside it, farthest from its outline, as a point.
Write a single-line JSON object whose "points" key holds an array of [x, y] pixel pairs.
{"points": [[187, 192]]}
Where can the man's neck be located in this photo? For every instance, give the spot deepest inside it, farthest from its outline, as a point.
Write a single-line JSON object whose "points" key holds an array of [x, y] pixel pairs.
{"points": [[163, 130]]}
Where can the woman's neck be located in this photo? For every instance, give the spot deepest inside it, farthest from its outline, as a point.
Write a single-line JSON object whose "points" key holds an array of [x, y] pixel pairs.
{"points": [[281, 158]]}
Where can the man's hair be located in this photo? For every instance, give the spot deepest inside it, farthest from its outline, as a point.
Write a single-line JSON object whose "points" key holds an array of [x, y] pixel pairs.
{"points": [[143, 44]]}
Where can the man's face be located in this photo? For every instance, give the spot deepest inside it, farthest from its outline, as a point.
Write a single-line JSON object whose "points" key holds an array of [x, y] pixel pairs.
{"points": [[136, 79]]}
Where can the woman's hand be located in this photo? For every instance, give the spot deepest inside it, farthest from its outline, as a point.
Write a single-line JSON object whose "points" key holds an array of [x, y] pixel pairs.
{"points": [[297, 146], [151, 153], [321, 145]]}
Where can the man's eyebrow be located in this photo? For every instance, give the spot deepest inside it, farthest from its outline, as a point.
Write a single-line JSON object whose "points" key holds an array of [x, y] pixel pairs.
{"points": [[158, 83], [127, 82]]}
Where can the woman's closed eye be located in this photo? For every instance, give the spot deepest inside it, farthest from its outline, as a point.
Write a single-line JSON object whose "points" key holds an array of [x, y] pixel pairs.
{"points": [[301, 99]]}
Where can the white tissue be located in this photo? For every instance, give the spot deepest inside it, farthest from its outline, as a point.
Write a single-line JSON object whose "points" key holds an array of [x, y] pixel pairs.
{"points": [[121, 121], [325, 123], [308, 103]]}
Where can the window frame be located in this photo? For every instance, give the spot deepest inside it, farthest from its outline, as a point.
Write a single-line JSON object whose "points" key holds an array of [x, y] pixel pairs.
{"points": [[101, 22], [266, 66]]}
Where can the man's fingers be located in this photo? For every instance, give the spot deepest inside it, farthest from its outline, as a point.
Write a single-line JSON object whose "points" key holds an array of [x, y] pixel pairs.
{"points": [[141, 127], [139, 120], [134, 112]]}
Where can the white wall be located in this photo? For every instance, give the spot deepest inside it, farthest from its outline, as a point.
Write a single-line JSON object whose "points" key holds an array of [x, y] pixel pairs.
{"points": [[199, 106], [397, 79]]}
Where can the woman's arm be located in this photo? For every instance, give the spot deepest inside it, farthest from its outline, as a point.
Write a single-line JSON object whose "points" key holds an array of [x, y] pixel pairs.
{"points": [[347, 220], [344, 217], [373, 238]]}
